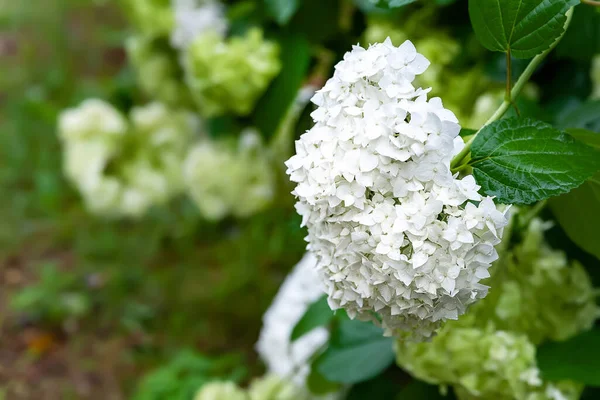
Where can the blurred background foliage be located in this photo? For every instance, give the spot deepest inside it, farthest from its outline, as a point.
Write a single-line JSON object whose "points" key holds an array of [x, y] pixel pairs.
{"points": [[89, 305]]}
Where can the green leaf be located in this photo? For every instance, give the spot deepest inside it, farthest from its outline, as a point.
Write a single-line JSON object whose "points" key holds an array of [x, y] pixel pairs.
{"points": [[282, 10], [521, 161], [358, 351], [576, 210], [399, 3], [380, 387], [582, 40], [421, 390], [381, 6], [273, 106], [319, 385], [576, 359], [526, 27], [585, 115], [318, 314]]}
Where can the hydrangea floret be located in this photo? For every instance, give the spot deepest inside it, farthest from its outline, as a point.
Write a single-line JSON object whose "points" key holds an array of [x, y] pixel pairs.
{"points": [[123, 166], [394, 232]]}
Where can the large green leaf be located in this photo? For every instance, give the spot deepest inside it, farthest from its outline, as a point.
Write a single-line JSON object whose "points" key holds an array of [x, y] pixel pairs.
{"points": [[521, 161], [273, 106], [576, 359], [577, 211], [317, 314], [526, 27], [358, 351], [282, 10]]}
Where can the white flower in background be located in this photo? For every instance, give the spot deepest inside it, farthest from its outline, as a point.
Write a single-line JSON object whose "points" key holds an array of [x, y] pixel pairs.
{"points": [[193, 18], [393, 231], [121, 167], [224, 180], [286, 359], [301, 288]]}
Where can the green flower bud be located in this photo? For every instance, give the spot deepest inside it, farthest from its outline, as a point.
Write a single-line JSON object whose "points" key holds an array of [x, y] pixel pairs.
{"points": [[228, 76], [158, 72]]}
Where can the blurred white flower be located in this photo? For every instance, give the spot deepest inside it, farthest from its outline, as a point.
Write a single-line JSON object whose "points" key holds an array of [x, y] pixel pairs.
{"points": [[393, 231], [219, 390], [286, 359], [301, 288], [223, 180], [193, 18], [121, 167]]}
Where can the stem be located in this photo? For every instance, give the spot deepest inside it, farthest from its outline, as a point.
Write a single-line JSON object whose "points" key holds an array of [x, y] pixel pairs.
{"points": [[508, 76], [514, 93], [532, 213], [593, 3]]}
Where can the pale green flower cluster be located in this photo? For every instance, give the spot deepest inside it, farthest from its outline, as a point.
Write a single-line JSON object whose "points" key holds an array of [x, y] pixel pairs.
{"points": [[123, 166], [490, 352], [225, 179], [158, 72], [152, 18], [269, 387], [229, 75]]}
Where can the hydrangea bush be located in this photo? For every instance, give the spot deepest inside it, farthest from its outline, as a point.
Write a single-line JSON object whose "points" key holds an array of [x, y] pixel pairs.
{"points": [[438, 157]]}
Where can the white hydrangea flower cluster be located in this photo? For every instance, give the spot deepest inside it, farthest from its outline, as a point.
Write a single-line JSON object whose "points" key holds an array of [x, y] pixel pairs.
{"points": [[122, 167], [284, 358], [394, 232], [193, 18]]}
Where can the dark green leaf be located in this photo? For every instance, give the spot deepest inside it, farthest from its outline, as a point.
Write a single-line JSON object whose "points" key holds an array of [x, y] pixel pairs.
{"points": [[319, 385], [358, 351], [586, 116], [526, 27], [272, 107], [521, 161], [576, 359], [417, 390], [318, 314], [282, 10], [319, 26], [575, 211], [582, 39], [466, 132], [380, 387]]}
